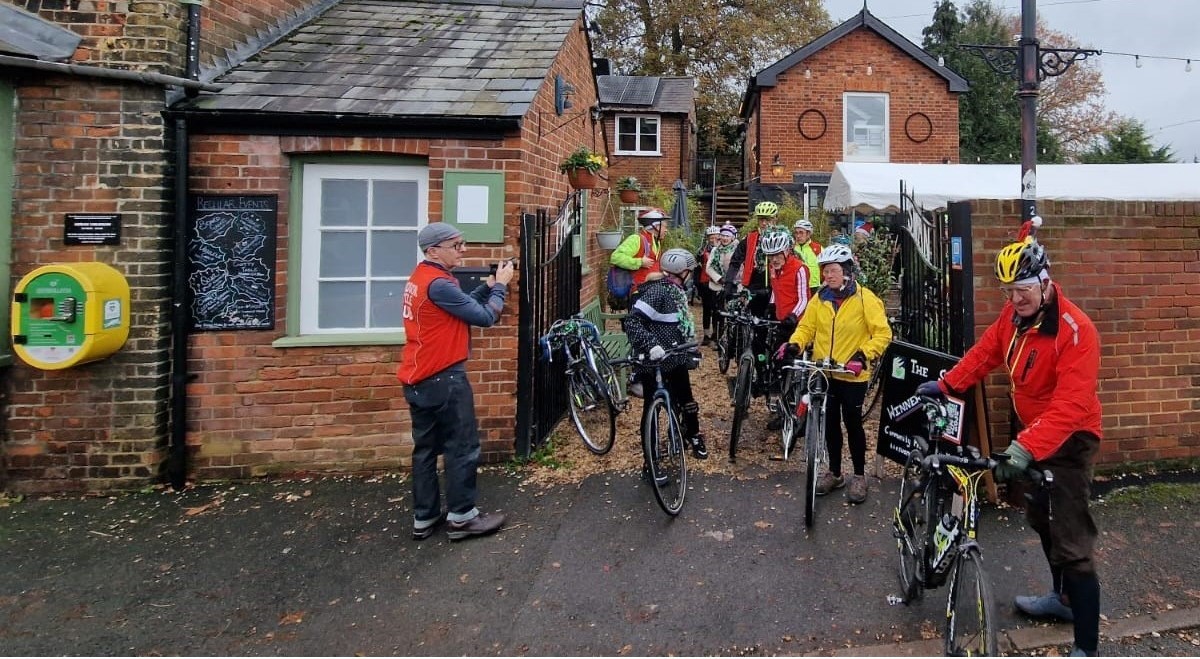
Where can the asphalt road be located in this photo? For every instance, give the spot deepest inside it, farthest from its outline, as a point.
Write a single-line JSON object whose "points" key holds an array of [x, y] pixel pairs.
{"points": [[327, 567]]}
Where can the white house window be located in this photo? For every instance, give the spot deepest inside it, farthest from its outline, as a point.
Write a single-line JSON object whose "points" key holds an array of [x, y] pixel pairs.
{"points": [[638, 135], [359, 245], [865, 117]]}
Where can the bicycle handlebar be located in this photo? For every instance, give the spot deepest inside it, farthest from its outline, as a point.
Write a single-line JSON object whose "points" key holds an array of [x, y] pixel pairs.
{"points": [[642, 359], [825, 365]]}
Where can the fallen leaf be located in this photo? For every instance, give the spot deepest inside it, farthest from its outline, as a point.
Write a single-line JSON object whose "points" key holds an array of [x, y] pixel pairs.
{"points": [[625, 649], [763, 524], [294, 618]]}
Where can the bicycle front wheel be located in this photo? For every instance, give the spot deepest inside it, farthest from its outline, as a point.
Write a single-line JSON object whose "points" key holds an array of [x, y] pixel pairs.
{"points": [[726, 344], [591, 411], [788, 397], [874, 388], [910, 528], [814, 441], [970, 621], [741, 401], [662, 445]]}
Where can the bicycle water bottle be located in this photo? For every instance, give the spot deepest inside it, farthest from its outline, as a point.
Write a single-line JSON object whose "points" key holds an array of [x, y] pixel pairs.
{"points": [[943, 539], [802, 406]]}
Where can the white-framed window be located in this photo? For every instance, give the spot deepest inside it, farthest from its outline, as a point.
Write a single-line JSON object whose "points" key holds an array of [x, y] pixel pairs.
{"points": [[358, 238], [638, 135], [865, 117]]}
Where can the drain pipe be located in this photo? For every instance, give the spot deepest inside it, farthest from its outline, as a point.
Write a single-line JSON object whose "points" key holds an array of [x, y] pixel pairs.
{"points": [[177, 447]]}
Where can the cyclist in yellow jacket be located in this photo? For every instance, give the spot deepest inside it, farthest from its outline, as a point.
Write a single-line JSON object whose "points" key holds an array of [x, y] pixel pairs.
{"points": [[847, 323]]}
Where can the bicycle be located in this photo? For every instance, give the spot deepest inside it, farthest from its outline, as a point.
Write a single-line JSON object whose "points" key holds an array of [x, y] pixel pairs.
{"points": [[665, 456], [747, 379], [936, 524], [593, 390], [875, 383], [813, 376], [731, 339]]}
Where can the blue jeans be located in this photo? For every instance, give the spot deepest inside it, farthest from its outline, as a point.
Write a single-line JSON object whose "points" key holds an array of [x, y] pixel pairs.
{"points": [[443, 423]]}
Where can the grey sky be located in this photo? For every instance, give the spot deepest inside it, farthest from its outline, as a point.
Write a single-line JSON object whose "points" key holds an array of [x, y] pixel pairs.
{"points": [[1160, 94]]}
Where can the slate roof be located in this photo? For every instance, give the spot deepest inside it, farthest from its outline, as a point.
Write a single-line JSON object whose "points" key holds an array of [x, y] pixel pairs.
{"points": [[665, 94], [463, 58]]}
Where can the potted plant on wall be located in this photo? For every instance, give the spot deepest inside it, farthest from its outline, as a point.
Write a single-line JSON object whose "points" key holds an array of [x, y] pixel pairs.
{"points": [[629, 190], [582, 168]]}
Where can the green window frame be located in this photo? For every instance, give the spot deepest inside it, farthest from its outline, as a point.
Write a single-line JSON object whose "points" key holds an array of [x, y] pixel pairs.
{"points": [[473, 201], [8, 114], [295, 336]]}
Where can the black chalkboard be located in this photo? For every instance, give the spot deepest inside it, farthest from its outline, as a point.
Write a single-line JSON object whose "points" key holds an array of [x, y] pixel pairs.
{"points": [[907, 366], [231, 261]]}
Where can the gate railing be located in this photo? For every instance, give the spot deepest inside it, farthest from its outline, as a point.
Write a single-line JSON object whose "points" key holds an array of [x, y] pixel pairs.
{"points": [[936, 291], [551, 278]]}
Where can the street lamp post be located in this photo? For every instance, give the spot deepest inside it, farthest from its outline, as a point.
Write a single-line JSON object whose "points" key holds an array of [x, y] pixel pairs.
{"points": [[1031, 64]]}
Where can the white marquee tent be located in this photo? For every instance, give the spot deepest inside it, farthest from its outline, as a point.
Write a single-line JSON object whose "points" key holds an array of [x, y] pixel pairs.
{"points": [[877, 185]]}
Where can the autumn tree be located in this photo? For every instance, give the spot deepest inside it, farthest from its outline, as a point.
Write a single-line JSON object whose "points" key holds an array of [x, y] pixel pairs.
{"points": [[1126, 142], [1070, 108], [719, 42]]}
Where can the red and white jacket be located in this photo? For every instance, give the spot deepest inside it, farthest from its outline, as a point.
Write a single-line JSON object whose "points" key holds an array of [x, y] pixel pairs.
{"points": [[1053, 369]]}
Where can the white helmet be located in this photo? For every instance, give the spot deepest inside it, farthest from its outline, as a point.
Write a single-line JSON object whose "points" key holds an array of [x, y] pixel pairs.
{"points": [[677, 261], [803, 224], [837, 254], [712, 231], [775, 242]]}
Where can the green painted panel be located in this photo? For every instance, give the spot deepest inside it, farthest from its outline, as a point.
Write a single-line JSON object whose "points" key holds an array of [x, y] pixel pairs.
{"points": [[473, 201]]}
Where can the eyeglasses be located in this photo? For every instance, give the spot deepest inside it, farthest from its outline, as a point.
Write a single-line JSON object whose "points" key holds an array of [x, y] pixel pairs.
{"points": [[460, 245], [1007, 291]]}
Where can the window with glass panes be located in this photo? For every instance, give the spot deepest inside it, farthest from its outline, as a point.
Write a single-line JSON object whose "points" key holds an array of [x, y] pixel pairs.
{"points": [[637, 135], [865, 117], [359, 245]]}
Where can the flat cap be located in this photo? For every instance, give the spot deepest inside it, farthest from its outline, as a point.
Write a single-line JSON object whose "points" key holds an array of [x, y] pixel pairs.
{"points": [[436, 232]]}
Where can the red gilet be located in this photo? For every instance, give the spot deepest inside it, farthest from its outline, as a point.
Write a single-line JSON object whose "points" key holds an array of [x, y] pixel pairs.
{"points": [[789, 284], [748, 264], [647, 247], [436, 339]]}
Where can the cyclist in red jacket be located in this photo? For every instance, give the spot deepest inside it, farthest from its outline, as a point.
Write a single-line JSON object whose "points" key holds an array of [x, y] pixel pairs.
{"points": [[1051, 351]]}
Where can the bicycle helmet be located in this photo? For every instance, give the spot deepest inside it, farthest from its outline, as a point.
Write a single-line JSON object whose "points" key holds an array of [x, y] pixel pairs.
{"points": [[766, 209], [651, 216], [775, 242], [1021, 260], [729, 230], [712, 231], [677, 261], [839, 254], [803, 224]]}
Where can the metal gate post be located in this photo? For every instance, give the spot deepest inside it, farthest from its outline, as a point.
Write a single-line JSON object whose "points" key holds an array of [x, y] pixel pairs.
{"points": [[962, 279]]}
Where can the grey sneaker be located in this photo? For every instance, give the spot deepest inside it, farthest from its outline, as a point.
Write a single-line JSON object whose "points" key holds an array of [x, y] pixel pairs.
{"points": [[481, 524], [857, 492], [1044, 606], [828, 483], [422, 531]]}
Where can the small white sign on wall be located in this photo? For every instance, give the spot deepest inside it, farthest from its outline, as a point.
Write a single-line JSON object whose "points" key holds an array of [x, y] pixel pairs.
{"points": [[472, 204]]}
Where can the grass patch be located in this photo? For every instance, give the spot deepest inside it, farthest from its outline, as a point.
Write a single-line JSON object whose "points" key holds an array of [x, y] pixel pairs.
{"points": [[1156, 494], [544, 456]]}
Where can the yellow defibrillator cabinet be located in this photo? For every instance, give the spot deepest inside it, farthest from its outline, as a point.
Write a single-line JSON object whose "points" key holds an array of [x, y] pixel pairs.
{"points": [[68, 314]]}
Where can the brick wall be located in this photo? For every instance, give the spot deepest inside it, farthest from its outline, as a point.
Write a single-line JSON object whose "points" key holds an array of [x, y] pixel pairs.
{"points": [[1134, 268], [842, 67], [147, 35], [87, 147]]}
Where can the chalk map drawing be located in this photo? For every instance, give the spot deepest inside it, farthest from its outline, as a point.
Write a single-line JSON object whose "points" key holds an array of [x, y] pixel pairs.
{"points": [[231, 262]]}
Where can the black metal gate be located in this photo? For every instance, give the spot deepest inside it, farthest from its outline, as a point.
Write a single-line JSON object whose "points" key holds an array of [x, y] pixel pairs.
{"points": [[935, 273], [551, 278]]}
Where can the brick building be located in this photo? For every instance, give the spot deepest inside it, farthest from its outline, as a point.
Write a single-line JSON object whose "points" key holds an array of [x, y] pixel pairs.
{"points": [[649, 123], [861, 92], [392, 114]]}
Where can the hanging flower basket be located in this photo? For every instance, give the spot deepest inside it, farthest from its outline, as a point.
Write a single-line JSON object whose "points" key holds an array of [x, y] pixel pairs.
{"points": [[629, 196], [609, 239], [582, 179]]}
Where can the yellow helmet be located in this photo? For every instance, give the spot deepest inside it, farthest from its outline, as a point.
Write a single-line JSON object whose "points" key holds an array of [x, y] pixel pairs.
{"points": [[1021, 260], [766, 209]]}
